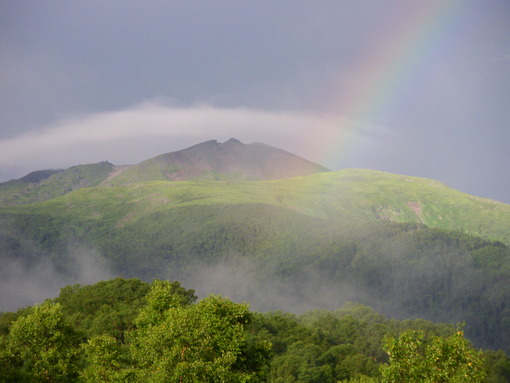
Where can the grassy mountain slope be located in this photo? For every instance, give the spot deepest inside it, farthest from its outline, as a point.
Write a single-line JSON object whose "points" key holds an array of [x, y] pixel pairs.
{"points": [[349, 195], [46, 184]]}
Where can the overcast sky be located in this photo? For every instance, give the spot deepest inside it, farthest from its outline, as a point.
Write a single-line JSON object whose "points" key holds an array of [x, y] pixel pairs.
{"points": [[416, 87]]}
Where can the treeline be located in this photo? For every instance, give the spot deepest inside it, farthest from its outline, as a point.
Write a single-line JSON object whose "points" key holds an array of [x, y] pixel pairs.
{"points": [[131, 331]]}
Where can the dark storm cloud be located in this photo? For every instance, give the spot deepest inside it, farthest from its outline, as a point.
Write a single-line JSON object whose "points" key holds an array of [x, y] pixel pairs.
{"points": [[63, 61]]}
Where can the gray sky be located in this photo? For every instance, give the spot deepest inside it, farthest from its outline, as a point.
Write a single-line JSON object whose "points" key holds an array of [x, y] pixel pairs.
{"points": [[411, 87]]}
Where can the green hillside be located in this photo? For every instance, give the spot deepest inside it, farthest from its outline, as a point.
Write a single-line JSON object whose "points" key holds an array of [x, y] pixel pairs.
{"points": [[46, 184], [350, 195], [306, 242], [229, 218]]}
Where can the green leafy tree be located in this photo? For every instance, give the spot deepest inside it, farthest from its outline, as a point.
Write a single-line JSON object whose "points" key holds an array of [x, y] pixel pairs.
{"points": [[498, 366], [360, 379], [442, 359], [163, 296], [9, 365], [177, 341], [106, 361], [301, 363], [206, 342], [42, 347], [105, 308], [110, 360]]}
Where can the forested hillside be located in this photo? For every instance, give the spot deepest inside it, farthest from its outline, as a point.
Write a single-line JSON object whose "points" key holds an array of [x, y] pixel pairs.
{"points": [[280, 259], [131, 331], [406, 246]]}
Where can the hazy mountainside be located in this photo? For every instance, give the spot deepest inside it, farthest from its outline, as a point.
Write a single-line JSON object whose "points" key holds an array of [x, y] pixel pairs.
{"points": [[276, 258], [211, 160], [404, 245], [46, 184]]}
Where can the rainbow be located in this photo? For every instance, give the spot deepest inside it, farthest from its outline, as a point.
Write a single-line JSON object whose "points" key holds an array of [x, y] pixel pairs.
{"points": [[388, 73]]}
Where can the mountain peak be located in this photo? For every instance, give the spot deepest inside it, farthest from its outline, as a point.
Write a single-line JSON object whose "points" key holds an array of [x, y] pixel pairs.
{"points": [[233, 141], [211, 160]]}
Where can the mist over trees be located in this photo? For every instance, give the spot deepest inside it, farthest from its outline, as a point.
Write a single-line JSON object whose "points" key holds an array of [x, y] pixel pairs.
{"points": [[278, 260]]}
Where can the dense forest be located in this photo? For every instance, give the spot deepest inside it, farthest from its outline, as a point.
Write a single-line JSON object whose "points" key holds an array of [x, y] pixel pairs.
{"points": [[279, 259], [132, 331]]}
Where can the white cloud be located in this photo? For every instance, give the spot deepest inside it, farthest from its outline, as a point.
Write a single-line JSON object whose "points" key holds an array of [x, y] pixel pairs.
{"points": [[152, 128]]}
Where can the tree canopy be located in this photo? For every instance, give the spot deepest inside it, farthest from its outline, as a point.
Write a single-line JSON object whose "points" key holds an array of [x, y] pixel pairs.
{"points": [[172, 338]]}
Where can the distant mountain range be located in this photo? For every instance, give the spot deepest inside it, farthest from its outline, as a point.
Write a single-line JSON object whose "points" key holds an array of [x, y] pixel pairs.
{"points": [[264, 225], [209, 160]]}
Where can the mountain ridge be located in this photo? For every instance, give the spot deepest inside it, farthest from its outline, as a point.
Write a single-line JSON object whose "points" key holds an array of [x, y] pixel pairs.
{"points": [[42, 185], [209, 160]]}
